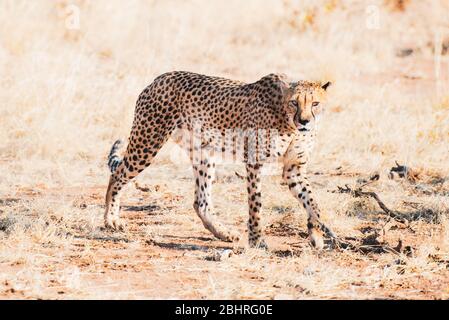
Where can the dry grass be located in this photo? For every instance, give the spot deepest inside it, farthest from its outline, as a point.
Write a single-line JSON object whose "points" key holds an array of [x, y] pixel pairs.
{"points": [[68, 93]]}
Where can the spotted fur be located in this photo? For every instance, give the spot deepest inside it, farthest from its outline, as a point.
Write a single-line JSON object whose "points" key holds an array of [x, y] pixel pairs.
{"points": [[276, 122]]}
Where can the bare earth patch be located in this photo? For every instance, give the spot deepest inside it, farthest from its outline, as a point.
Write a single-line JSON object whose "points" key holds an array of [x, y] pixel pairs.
{"points": [[59, 249]]}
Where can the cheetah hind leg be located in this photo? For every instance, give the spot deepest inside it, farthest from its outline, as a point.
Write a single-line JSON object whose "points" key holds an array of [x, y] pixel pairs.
{"points": [[136, 159], [203, 174]]}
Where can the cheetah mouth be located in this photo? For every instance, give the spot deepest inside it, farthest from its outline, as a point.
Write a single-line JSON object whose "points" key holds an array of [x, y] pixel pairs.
{"points": [[303, 128]]}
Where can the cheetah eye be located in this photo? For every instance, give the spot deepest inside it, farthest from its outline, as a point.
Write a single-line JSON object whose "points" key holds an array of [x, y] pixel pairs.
{"points": [[315, 104], [294, 104]]}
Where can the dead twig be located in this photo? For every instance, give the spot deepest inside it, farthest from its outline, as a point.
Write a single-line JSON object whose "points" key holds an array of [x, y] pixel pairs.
{"points": [[146, 188], [371, 179], [336, 172], [141, 188], [240, 176]]}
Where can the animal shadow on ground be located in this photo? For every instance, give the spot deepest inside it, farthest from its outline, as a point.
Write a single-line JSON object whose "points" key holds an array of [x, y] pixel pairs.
{"points": [[149, 208], [186, 246]]}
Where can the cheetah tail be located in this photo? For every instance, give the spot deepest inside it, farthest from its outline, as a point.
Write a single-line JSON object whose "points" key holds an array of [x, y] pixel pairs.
{"points": [[113, 158]]}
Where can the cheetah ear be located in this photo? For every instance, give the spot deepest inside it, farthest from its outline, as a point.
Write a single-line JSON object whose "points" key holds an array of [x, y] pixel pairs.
{"points": [[287, 90], [293, 85], [326, 85]]}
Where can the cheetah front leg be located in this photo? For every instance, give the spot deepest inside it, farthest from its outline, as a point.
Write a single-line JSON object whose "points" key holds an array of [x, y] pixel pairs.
{"points": [[255, 228], [294, 174], [301, 190], [203, 175]]}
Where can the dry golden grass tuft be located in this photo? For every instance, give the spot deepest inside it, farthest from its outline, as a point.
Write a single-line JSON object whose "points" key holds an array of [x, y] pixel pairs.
{"points": [[68, 88]]}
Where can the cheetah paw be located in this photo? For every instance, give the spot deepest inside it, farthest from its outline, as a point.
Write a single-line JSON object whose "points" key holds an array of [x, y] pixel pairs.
{"points": [[114, 225], [258, 244], [316, 239], [228, 237]]}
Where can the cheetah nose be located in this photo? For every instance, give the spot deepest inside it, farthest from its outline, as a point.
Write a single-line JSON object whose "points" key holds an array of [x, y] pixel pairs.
{"points": [[304, 122]]}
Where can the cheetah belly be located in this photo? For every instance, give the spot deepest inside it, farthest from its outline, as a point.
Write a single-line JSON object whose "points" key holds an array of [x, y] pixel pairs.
{"points": [[231, 147]]}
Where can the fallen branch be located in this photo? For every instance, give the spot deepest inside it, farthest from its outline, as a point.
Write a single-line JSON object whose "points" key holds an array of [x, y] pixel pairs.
{"points": [[360, 193], [365, 247]]}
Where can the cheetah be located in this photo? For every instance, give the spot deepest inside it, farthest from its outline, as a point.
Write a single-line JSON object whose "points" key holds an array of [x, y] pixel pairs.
{"points": [[273, 120]]}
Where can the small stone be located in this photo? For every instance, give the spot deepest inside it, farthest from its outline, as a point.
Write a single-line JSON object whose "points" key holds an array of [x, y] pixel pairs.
{"points": [[223, 255]]}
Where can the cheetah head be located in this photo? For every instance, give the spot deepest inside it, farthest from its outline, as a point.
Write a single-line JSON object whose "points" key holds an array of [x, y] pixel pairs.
{"points": [[303, 102]]}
